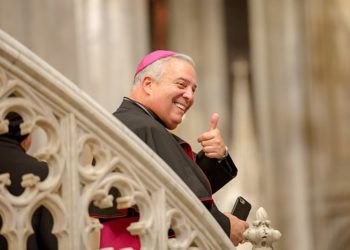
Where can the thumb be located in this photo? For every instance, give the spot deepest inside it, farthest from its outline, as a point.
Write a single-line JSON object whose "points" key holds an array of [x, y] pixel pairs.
{"points": [[214, 121]]}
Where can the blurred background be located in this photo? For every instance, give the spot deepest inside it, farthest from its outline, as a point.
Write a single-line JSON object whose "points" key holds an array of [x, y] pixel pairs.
{"points": [[277, 72]]}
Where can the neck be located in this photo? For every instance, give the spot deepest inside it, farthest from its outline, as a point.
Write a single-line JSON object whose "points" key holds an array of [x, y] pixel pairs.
{"points": [[146, 109]]}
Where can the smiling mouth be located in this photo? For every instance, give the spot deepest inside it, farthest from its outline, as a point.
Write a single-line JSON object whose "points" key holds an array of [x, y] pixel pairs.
{"points": [[180, 106]]}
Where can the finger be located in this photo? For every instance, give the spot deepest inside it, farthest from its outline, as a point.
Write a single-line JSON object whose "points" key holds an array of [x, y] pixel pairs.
{"points": [[207, 142], [205, 136], [214, 121], [212, 155], [209, 149], [211, 152]]}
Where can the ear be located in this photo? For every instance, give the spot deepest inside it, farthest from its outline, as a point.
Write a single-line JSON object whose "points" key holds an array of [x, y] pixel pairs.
{"points": [[147, 85]]}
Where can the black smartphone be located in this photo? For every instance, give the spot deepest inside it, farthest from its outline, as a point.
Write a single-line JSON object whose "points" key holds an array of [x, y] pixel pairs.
{"points": [[241, 208]]}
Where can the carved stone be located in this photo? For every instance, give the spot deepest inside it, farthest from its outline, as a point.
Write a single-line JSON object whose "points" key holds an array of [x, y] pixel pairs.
{"points": [[75, 129], [261, 235]]}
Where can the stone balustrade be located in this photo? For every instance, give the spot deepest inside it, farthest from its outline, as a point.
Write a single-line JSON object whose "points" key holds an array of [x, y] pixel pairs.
{"points": [[69, 129]]}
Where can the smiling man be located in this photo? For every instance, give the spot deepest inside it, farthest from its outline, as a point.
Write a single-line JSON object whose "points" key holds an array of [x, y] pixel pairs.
{"points": [[164, 86]]}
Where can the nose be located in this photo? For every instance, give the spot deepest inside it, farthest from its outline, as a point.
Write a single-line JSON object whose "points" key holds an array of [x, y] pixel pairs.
{"points": [[188, 94]]}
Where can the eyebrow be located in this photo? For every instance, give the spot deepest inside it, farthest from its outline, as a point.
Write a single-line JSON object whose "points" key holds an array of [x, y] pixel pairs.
{"points": [[185, 80]]}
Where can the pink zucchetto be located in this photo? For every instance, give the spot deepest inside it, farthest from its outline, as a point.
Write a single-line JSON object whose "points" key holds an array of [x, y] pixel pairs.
{"points": [[152, 57]]}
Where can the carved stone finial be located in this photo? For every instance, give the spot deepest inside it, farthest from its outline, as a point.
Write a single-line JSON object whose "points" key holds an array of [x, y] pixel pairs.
{"points": [[29, 180], [5, 180], [260, 234], [261, 214], [104, 201]]}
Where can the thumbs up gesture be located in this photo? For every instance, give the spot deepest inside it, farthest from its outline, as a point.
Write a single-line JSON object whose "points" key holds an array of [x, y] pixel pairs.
{"points": [[211, 141]]}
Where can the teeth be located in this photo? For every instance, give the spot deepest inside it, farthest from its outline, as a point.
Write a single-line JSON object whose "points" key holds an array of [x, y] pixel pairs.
{"points": [[180, 106]]}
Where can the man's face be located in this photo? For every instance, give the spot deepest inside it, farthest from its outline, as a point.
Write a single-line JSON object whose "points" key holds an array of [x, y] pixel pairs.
{"points": [[173, 94]]}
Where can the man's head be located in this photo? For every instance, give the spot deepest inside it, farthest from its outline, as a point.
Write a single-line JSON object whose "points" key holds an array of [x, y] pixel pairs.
{"points": [[15, 120], [165, 82]]}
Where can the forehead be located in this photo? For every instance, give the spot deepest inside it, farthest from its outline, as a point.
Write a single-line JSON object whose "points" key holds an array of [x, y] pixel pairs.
{"points": [[180, 69]]}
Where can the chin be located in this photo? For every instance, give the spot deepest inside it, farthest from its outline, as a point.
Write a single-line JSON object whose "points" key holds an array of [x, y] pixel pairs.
{"points": [[173, 125]]}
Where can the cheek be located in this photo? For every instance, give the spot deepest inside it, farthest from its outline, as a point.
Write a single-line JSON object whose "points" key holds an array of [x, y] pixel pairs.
{"points": [[190, 104]]}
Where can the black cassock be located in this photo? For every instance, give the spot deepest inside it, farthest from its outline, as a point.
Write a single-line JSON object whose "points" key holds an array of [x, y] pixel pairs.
{"points": [[204, 176]]}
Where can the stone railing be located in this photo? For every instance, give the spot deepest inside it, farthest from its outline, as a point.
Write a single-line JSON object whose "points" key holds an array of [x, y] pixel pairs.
{"points": [[68, 124], [71, 122]]}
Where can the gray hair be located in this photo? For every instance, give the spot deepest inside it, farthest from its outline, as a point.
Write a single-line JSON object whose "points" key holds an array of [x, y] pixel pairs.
{"points": [[156, 69]]}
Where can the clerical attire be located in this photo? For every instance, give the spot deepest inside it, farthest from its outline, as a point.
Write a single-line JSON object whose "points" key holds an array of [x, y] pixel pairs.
{"points": [[201, 174]]}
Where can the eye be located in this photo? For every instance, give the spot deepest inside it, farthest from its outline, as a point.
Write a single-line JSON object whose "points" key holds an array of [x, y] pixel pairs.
{"points": [[181, 85]]}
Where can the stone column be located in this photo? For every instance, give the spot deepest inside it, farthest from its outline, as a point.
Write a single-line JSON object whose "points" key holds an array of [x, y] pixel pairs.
{"points": [[45, 27], [96, 44], [112, 38], [279, 88], [328, 42], [196, 27]]}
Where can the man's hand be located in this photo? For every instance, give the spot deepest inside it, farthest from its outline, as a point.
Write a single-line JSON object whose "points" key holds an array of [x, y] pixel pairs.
{"points": [[238, 227], [211, 141]]}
